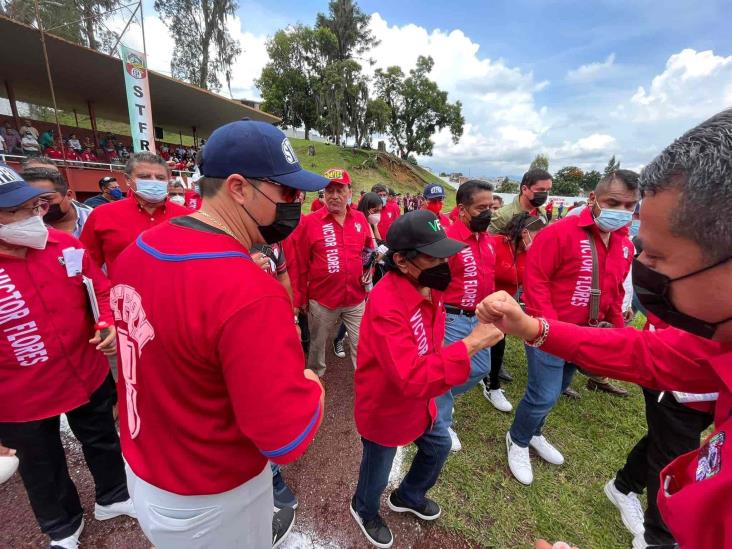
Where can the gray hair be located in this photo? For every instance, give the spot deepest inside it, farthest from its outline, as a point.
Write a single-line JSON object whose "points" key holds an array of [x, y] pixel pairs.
{"points": [[144, 156], [699, 164]]}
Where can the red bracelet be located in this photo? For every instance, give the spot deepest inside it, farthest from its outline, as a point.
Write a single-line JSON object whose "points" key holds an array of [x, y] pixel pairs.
{"points": [[540, 339]]}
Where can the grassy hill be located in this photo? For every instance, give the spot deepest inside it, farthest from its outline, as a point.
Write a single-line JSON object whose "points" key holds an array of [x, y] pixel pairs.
{"points": [[367, 167]]}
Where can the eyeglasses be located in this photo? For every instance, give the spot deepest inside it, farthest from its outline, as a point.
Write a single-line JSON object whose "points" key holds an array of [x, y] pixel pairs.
{"points": [[39, 207], [289, 194]]}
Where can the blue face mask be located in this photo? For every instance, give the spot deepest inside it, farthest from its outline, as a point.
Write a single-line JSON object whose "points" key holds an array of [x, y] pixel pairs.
{"points": [[634, 228], [612, 220], [116, 193], [151, 190], [383, 200]]}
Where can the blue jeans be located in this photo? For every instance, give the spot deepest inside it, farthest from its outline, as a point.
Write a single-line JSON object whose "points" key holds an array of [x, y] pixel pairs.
{"points": [[456, 328], [549, 375], [433, 449]]}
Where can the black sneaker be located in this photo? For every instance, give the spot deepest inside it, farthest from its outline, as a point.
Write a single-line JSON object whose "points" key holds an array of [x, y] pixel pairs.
{"points": [[283, 496], [504, 375], [338, 348], [375, 530], [282, 523], [429, 510]]}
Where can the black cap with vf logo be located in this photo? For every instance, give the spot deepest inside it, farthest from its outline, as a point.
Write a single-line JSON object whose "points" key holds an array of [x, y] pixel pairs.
{"points": [[421, 230]]}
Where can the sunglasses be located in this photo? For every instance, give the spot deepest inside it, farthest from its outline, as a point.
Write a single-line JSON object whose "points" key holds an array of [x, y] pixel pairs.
{"points": [[288, 194]]}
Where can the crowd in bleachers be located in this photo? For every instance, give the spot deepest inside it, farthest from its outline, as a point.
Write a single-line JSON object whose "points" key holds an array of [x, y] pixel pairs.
{"points": [[41, 138]]}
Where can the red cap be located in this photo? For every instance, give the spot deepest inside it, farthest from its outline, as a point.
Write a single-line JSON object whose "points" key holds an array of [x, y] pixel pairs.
{"points": [[338, 175]]}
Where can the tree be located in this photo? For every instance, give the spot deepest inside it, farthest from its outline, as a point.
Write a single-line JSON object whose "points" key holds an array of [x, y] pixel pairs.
{"points": [[290, 81], [203, 46], [567, 181], [590, 180], [350, 26], [418, 108], [507, 186], [79, 21], [612, 165], [541, 161]]}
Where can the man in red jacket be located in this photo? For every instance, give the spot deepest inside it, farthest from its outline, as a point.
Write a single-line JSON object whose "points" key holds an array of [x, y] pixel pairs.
{"points": [[331, 280], [52, 363], [434, 201], [558, 284], [206, 402], [112, 227], [472, 279], [683, 277], [317, 203], [402, 366]]}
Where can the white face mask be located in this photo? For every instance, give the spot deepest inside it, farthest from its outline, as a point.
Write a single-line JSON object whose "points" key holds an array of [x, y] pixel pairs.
{"points": [[528, 244], [178, 199], [374, 218], [31, 233]]}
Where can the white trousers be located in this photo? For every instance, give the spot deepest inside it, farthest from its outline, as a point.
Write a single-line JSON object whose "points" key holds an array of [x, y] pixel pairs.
{"points": [[239, 518]]}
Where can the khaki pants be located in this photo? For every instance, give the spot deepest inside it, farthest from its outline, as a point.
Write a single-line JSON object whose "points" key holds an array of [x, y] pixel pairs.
{"points": [[322, 321]]}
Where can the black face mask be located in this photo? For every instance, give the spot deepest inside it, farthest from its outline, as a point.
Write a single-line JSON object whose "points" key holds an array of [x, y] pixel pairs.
{"points": [[54, 213], [539, 198], [480, 222], [652, 289], [437, 277], [287, 216]]}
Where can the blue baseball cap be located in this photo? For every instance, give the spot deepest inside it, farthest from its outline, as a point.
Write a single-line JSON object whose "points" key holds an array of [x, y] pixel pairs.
{"points": [[258, 150], [14, 191], [433, 191]]}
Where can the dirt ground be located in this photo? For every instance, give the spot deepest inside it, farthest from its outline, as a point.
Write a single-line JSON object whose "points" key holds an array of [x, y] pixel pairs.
{"points": [[324, 481]]}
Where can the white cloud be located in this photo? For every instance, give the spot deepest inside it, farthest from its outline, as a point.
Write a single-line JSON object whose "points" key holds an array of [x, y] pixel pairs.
{"points": [[503, 122], [592, 71], [585, 150], [693, 85]]}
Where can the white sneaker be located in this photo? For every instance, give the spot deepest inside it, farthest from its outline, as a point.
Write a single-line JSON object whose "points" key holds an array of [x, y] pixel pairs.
{"points": [[498, 399], [631, 510], [546, 451], [483, 385], [519, 462], [456, 445], [71, 542], [8, 466], [106, 512], [639, 542]]}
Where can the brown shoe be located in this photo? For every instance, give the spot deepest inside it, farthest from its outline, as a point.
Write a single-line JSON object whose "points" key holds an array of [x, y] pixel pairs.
{"points": [[606, 387], [571, 393]]}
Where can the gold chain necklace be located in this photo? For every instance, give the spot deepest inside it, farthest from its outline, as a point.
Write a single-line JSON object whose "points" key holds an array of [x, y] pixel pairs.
{"points": [[218, 223]]}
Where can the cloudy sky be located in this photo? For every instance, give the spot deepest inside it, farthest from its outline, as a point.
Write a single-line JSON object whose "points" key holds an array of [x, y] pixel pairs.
{"points": [[576, 80]]}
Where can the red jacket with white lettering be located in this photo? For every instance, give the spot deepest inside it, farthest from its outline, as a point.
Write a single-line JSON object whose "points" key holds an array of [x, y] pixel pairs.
{"points": [[209, 388], [389, 214], [47, 365], [112, 227], [558, 276], [694, 498], [402, 364], [472, 268], [510, 267], [330, 258]]}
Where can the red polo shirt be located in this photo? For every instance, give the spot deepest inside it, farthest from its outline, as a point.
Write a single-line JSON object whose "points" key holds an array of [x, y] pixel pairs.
{"points": [[213, 387], [558, 276], [330, 258], [402, 364], [694, 497], [112, 227], [47, 365], [472, 268], [389, 214], [316, 205], [509, 267]]}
